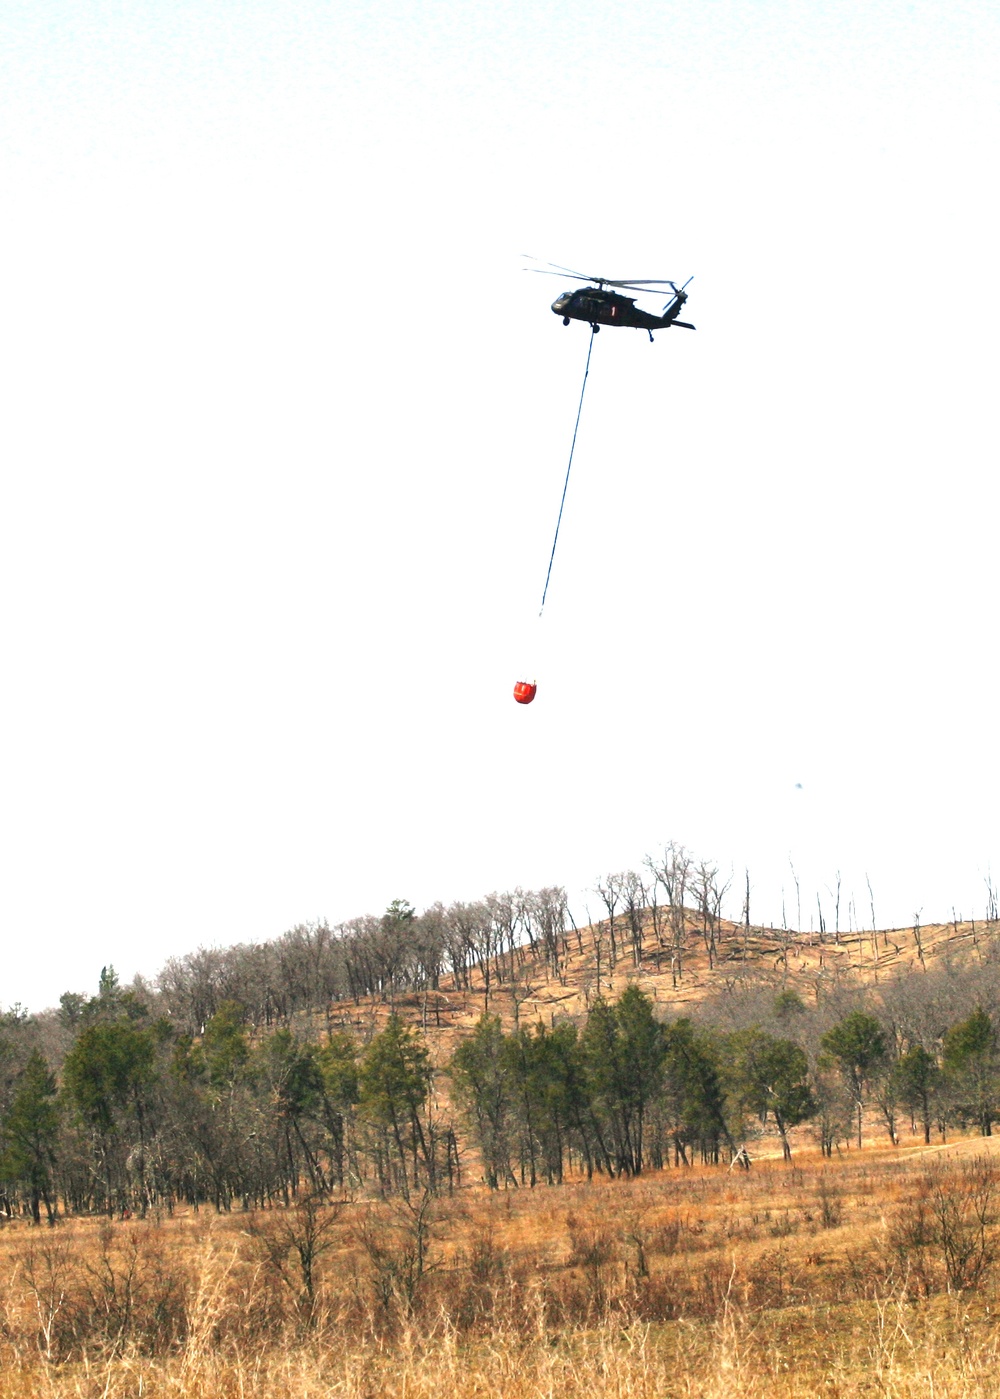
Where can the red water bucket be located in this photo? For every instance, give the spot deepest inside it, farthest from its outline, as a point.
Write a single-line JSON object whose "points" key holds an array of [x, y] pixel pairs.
{"points": [[524, 691]]}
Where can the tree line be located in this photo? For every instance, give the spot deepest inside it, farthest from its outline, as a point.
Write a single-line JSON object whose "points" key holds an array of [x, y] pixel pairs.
{"points": [[313, 967], [134, 1112], [482, 945]]}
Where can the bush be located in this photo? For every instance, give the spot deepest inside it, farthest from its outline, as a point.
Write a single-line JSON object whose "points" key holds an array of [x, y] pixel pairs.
{"points": [[946, 1237]]}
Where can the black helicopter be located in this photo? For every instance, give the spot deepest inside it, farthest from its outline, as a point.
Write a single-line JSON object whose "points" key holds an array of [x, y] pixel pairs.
{"points": [[599, 306]]}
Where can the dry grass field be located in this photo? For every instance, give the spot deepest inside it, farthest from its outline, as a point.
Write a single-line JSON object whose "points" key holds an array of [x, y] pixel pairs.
{"points": [[871, 1273]]}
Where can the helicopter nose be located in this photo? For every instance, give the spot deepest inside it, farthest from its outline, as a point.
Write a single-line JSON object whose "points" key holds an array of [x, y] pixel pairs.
{"points": [[561, 302]]}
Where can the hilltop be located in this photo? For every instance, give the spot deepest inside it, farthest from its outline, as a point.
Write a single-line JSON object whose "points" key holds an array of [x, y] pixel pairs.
{"points": [[679, 973]]}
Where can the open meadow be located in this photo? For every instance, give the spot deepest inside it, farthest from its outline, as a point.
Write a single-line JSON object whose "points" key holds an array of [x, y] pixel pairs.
{"points": [[481, 1151], [271, 1175], [868, 1273]]}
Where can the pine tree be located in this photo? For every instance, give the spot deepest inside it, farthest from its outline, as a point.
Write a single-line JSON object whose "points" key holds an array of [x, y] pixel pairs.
{"points": [[29, 1136]]}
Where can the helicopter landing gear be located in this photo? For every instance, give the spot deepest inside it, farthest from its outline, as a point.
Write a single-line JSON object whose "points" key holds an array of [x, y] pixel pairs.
{"points": [[565, 320], [650, 334], [595, 328]]}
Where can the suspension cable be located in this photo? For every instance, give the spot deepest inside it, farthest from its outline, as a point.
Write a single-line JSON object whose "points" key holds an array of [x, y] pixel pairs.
{"points": [[579, 410]]}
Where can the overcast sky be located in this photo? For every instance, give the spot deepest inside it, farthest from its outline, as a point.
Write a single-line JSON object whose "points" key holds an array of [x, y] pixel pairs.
{"points": [[285, 425]]}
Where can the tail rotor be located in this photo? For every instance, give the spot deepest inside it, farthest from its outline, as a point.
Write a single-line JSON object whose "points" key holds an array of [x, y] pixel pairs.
{"points": [[680, 294]]}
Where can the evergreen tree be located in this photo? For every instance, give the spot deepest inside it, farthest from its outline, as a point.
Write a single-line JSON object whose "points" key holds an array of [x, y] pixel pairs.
{"points": [[694, 1098], [393, 1084], [770, 1077], [858, 1045], [480, 1072], [293, 1084], [108, 1077], [224, 1046], [29, 1136], [558, 1083], [338, 1066], [972, 1065], [918, 1080], [623, 1051]]}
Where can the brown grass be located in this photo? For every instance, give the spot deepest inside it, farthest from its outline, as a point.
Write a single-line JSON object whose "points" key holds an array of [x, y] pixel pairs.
{"points": [[822, 1277]]}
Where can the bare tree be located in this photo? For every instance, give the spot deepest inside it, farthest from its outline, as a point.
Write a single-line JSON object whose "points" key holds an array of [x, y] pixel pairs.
{"points": [[709, 893], [398, 1240], [656, 910], [505, 912], [547, 912], [835, 895], [302, 1233], [635, 898], [798, 896], [673, 870], [609, 890], [597, 934], [468, 928]]}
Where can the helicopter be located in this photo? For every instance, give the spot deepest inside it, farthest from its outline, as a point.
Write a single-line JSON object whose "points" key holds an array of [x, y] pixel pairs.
{"points": [[598, 305]]}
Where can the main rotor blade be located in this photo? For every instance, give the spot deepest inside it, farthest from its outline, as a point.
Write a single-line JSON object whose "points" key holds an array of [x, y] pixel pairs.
{"points": [[555, 269], [571, 276], [569, 271]]}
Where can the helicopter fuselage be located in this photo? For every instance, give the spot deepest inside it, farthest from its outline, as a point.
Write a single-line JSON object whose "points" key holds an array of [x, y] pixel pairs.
{"points": [[597, 306]]}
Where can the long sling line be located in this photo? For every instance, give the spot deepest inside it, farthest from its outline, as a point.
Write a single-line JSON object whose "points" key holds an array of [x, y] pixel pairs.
{"points": [[555, 541]]}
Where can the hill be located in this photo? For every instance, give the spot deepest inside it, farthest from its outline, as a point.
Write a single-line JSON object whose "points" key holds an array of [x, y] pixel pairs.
{"points": [[680, 970]]}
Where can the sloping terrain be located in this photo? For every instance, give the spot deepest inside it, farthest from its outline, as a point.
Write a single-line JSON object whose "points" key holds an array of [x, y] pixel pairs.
{"points": [[677, 972]]}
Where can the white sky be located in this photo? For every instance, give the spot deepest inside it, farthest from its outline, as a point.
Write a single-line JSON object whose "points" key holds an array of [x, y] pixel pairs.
{"points": [[285, 427]]}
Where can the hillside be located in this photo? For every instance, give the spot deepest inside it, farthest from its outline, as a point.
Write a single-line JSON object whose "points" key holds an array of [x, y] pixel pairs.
{"points": [[677, 973]]}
